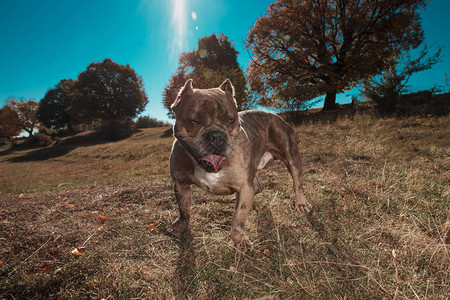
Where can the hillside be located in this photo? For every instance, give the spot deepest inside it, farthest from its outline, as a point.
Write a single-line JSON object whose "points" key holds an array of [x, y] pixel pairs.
{"points": [[85, 218]]}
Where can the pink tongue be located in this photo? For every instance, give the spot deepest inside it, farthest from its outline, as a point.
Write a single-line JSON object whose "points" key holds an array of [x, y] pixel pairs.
{"points": [[215, 160]]}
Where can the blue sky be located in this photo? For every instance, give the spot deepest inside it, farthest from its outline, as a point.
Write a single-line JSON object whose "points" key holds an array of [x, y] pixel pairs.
{"points": [[42, 42]]}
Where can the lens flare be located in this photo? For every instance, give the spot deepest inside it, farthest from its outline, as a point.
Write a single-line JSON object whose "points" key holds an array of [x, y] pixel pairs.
{"points": [[179, 25]]}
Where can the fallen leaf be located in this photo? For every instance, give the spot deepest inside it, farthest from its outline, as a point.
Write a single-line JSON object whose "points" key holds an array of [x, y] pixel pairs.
{"points": [[45, 269], [1, 263], [394, 253], [69, 205], [102, 218], [152, 227], [266, 252], [76, 252], [232, 269], [401, 216]]}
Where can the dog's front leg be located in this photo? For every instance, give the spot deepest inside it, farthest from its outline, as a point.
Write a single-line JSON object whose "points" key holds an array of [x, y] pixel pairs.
{"points": [[183, 195], [244, 200]]}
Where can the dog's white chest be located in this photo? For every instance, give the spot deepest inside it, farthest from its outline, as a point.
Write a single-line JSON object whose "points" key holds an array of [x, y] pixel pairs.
{"points": [[206, 179]]}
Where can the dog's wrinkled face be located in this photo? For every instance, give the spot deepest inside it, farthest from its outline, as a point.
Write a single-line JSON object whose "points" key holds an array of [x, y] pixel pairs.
{"points": [[207, 123]]}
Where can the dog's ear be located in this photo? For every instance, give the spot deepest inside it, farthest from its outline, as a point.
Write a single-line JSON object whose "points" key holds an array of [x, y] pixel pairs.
{"points": [[227, 87], [185, 90]]}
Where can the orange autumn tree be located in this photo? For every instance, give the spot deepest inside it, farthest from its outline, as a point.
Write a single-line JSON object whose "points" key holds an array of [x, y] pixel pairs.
{"points": [[308, 48], [10, 125], [27, 113]]}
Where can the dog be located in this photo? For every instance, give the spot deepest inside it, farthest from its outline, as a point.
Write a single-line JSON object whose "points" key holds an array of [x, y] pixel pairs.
{"points": [[221, 151]]}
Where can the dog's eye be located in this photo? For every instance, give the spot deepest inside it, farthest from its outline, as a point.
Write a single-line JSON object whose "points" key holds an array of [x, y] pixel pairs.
{"points": [[231, 120], [196, 123]]}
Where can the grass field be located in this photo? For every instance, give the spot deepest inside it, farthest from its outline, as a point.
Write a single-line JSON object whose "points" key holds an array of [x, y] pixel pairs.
{"points": [[85, 218]]}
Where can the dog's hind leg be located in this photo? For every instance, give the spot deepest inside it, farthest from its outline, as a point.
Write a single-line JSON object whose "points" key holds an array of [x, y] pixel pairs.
{"points": [[286, 150], [293, 163]]}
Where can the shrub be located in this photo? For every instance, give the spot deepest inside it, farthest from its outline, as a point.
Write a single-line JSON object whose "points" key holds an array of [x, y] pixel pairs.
{"points": [[43, 139], [148, 122], [46, 131], [37, 140]]}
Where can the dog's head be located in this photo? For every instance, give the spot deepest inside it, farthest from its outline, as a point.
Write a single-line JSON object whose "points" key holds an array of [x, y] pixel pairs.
{"points": [[207, 123]]}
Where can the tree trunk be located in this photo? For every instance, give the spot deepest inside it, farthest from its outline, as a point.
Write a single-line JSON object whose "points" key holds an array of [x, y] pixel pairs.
{"points": [[12, 140], [69, 127], [330, 101]]}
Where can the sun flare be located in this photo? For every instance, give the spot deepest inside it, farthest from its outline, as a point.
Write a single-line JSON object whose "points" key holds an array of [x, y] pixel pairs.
{"points": [[179, 25]]}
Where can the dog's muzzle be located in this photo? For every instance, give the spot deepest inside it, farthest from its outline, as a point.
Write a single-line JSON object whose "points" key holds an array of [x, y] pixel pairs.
{"points": [[216, 146]]}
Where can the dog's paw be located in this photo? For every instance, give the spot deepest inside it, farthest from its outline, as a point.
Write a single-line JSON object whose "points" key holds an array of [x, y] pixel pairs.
{"points": [[240, 240], [304, 206], [242, 245], [177, 228]]}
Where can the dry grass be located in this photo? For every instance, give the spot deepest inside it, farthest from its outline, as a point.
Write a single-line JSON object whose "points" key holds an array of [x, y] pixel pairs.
{"points": [[380, 228]]}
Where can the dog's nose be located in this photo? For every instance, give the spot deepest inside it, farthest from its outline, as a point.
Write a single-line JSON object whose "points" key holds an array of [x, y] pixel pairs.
{"points": [[216, 138]]}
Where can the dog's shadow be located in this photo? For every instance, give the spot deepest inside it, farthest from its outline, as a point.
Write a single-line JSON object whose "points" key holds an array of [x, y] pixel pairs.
{"points": [[186, 269], [186, 274], [266, 228]]}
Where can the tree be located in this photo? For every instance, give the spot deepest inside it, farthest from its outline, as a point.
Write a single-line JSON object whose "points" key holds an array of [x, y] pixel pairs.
{"points": [[53, 108], [26, 111], [10, 124], [214, 60], [171, 90], [304, 49], [107, 92], [384, 91]]}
